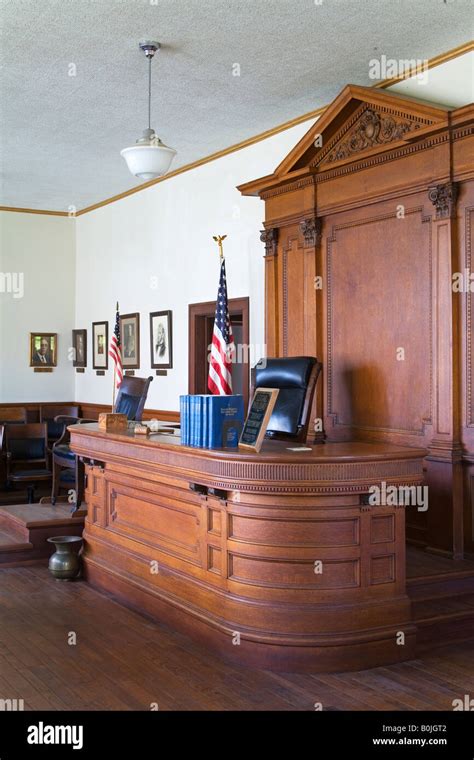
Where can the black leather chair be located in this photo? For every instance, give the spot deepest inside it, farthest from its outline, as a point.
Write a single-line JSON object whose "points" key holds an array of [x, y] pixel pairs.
{"points": [[295, 377], [131, 397], [68, 470], [27, 455]]}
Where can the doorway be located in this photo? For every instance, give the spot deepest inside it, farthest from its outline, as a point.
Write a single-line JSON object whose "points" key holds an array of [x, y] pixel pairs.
{"points": [[201, 326]]}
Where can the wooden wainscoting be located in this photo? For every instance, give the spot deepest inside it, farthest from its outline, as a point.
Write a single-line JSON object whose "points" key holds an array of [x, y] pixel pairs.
{"points": [[33, 410], [93, 410]]}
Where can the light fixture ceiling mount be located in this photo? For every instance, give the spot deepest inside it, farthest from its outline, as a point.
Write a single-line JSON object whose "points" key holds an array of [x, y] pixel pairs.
{"points": [[149, 48], [149, 157]]}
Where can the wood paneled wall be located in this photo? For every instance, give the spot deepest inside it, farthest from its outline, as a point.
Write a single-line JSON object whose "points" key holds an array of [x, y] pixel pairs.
{"points": [[366, 221], [87, 410]]}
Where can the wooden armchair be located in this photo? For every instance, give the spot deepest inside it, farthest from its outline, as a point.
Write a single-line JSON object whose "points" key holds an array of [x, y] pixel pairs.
{"points": [[50, 415], [68, 470], [27, 455]]}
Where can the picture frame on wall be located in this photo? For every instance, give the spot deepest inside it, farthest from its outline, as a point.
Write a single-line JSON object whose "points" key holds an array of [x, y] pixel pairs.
{"points": [[79, 344], [43, 349], [130, 340], [100, 345], [161, 339]]}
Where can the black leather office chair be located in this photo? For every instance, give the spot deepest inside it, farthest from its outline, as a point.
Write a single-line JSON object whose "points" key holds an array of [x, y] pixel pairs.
{"points": [[131, 397], [295, 377]]}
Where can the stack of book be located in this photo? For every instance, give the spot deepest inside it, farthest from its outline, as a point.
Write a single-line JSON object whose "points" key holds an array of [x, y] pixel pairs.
{"points": [[212, 422]]}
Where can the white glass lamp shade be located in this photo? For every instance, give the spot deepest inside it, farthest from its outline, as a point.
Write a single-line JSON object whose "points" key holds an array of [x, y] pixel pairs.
{"points": [[149, 157]]}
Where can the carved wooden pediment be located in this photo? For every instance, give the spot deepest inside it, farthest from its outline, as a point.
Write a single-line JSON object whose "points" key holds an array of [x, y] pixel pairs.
{"points": [[369, 128], [359, 121]]}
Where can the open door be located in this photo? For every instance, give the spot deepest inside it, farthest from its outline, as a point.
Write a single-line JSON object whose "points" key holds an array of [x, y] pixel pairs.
{"points": [[201, 325]]}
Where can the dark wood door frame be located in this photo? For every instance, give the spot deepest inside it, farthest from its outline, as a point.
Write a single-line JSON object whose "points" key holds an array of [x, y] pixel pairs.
{"points": [[199, 314]]}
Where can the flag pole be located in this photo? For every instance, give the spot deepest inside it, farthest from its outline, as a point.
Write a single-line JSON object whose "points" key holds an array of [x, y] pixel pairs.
{"points": [[115, 372]]}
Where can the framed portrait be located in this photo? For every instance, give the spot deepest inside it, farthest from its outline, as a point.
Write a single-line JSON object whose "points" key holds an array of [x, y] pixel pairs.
{"points": [[161, 339], [79, 344], [100, 345], [130, 340], [43, 349]]}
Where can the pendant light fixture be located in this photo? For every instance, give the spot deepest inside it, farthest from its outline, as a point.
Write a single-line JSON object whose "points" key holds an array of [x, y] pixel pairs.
{"points": [[149, 157]]}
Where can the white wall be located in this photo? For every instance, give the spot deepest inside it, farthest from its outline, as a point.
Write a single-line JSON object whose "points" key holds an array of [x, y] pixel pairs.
{"points": [[42, 249], [165, 232]]}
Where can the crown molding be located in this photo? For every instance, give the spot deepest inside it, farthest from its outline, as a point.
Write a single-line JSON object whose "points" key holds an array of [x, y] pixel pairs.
{"points": [[35, 211]]}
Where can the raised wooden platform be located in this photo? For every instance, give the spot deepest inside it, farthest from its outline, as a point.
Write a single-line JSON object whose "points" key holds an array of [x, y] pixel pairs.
{"points": [[25, 528]]}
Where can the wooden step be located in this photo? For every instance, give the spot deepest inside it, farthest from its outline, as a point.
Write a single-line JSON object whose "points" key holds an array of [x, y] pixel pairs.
{"points": [[14, 551], [440, 586], [13, 527], [443, 610], [25, 528], [9, 542]]}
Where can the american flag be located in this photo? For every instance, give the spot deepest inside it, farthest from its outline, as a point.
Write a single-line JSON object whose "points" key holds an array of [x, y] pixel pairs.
{"points": [[220, 365], [115, 350]]}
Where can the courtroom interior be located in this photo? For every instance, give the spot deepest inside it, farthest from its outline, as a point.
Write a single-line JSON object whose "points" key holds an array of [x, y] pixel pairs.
{"points": [[237, 381]]}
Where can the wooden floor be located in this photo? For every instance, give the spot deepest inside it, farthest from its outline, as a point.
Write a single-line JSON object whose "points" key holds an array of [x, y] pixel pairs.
{"points": [[122, 661], [421, 564]]}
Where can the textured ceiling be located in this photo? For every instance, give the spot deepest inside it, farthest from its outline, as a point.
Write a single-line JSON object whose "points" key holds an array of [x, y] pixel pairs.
{"points": [[61, 135]]}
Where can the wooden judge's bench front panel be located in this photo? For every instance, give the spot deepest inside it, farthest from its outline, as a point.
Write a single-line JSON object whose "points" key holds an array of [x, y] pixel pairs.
{"points": [[364, 230], [287, 566]]}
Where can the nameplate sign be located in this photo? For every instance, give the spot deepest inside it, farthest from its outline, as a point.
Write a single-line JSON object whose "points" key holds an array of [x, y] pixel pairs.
{"points": [[258, 418]]}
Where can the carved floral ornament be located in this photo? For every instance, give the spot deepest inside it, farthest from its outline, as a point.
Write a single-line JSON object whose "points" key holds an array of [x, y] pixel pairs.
{"points": [[371, 130]]}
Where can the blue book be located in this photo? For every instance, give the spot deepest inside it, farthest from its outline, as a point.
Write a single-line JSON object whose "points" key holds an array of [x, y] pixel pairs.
{"points": [[222, 409], [192, 421], [204, 416], [205, 423], [183, 418], [187, 421], [198, 428]]}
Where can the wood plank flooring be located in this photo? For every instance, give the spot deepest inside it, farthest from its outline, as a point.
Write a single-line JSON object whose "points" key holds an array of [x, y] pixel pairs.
{"points": [[123, 661], [421, 564]]}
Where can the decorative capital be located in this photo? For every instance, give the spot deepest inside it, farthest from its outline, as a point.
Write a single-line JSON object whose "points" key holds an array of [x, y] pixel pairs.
{"points": [[270, 238], [311, 230], [444, 197]]}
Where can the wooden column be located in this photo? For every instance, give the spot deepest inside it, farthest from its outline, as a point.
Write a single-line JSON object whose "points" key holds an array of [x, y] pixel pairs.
{"points": [[445, 516], [311, 230], [269, 236]]}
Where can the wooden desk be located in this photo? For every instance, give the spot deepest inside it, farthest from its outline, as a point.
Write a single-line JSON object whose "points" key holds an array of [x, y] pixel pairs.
{"points": [[284, 556]]}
